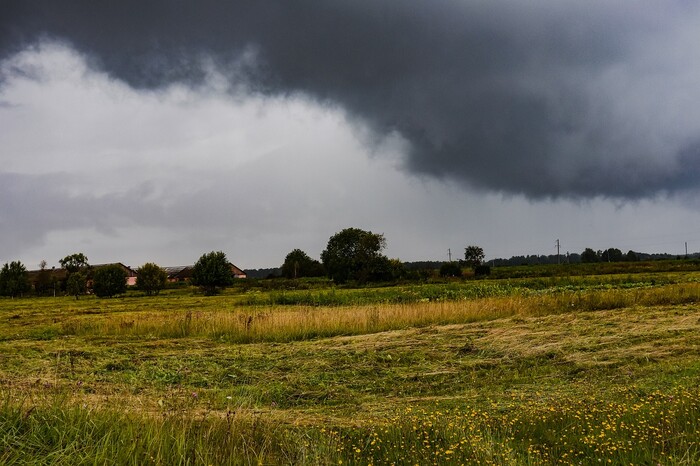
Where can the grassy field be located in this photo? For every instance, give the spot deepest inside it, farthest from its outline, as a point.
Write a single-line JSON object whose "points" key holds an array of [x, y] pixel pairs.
{"points": [[557, 369]]}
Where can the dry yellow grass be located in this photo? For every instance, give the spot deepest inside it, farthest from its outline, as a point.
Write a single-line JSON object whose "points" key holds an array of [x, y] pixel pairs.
{"points": [[289, 323]]}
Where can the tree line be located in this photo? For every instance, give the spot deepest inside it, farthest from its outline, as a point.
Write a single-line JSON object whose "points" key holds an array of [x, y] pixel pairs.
{"points": [[351, 255], [589, 255], [211, 273], [356, 255]]}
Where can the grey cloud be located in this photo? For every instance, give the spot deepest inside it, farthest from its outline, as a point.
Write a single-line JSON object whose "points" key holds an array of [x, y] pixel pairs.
{"points": [[43, 203], [35, 206], [505, 96]]}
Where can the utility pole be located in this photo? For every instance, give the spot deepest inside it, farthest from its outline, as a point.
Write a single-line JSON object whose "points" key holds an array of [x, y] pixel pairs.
{"points": [[449, 254], [686, 249], [558, 252]]}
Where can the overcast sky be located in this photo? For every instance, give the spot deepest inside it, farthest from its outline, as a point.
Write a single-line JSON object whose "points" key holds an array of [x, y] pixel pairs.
{"points": [[140, 131]]}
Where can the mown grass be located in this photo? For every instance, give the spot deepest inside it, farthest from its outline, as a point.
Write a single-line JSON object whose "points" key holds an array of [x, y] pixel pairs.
{"points": [[591, 371]]}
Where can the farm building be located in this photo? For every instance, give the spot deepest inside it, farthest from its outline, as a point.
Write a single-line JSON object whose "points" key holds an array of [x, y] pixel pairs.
{"points": [[47, 280], [184, 272], [237, 273], [179, 273], [51, 280]]}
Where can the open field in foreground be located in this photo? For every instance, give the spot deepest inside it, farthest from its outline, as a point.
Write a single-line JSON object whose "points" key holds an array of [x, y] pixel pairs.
{"points": [[603, 373]]}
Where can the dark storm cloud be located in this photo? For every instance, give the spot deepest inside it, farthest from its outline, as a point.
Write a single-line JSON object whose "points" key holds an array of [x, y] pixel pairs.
{"points": [[541, 98]]}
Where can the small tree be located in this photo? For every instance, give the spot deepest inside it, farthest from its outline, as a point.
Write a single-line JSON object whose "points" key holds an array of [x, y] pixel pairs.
{"points": [[109, 281], [76, 284], [42, 283], [473, 255], [13, 279], [150, 278], [212, 272], [298, 264]]}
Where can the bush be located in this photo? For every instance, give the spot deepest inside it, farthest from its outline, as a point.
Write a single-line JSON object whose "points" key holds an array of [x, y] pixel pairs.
{"points": [[451, 269], [482, 270]]}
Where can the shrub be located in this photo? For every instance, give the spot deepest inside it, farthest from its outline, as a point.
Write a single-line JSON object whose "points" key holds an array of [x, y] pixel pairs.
{"points": [[451, 269]]}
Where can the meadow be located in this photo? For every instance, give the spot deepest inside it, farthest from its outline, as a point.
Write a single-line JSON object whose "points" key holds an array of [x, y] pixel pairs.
{"points": [[597, 365]]}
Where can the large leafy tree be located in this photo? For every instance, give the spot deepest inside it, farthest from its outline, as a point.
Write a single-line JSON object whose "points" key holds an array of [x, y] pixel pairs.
{"points": [[109, 281], [473, 255], [74, 262], [298, 264], [355, 254], [150, 278], [212, 272], [13, 279]]}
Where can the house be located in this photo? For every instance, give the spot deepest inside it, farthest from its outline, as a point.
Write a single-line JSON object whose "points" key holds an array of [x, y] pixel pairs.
{"points": [[43, 280]]}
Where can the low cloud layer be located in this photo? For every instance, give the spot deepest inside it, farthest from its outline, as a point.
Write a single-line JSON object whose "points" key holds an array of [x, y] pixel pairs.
{"points": [[163, 173], [549, 99]]}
